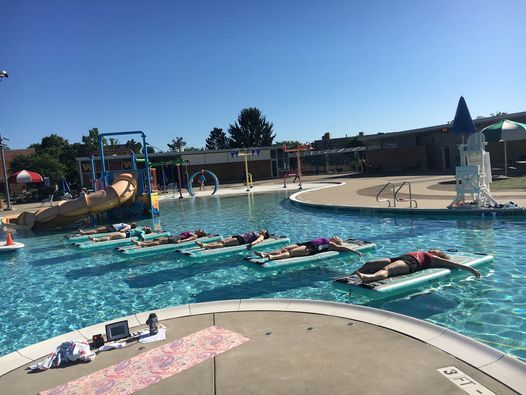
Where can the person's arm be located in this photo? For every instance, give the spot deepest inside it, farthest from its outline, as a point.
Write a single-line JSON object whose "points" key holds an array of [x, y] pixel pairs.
{"points": [[126, 228], [445, 263], [343, 248], [193, 237], [258, 240]]}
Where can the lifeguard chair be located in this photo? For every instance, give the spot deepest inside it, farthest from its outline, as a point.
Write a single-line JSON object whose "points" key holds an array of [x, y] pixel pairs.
{"points": [[473, 176]]}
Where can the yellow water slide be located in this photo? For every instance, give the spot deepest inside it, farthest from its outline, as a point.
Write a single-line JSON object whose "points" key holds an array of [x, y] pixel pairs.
{"points": [[66, 212]]}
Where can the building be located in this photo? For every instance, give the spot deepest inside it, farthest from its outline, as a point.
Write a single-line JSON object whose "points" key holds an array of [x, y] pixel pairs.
{"points": [[430, 148]]}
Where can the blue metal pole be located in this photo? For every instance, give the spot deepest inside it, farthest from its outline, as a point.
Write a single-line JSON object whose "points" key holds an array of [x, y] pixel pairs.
{"points": [[93, 176], [147, 166], [102, 164]]}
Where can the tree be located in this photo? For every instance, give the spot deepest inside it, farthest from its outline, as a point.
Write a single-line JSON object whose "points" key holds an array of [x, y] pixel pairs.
{"points": [[288, 143], [150, 149], [217, 139], [113, 143], [135, 146], [46, 165], [53, 145], [177, 144], [251, 130], [91, 141]]}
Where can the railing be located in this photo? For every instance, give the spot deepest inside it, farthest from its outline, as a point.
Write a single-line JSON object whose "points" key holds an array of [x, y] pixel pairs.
{"points": [[378, 199], [410, 200]]}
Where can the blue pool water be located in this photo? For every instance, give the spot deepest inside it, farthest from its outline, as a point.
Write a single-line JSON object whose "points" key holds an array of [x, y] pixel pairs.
{"points": [[50, 288]]}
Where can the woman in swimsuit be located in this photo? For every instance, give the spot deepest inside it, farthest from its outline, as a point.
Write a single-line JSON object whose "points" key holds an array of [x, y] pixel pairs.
{"points": [[312, 247], [409, 263], [180, 238], [123, 234], [249, 238], [121, 227]]}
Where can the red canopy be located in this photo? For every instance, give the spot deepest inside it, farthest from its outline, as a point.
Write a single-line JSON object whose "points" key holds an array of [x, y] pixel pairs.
{"points": [[24, 177]]}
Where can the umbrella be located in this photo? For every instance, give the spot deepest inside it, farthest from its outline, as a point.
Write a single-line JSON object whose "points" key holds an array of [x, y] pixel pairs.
{"points": [[24, 177], [505, 131], [463, 124]]}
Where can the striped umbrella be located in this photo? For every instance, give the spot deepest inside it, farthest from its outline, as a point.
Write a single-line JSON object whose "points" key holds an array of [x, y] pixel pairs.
{"points": [[24, 177], [505, 131]]}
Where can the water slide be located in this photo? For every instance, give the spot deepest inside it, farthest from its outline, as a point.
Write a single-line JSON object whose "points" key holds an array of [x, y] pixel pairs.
{"points": [[66, 212]]}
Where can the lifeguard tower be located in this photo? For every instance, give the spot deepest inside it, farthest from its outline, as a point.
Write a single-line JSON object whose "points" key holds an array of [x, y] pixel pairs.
{"points": [[473, 176]]}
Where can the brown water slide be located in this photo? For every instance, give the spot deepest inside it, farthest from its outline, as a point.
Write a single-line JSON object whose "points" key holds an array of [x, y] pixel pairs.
{"points": [[66, 212]]}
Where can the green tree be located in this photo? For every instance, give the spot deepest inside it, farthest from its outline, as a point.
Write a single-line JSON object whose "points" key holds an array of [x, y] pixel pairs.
{"points": [[217, 139], [135, 146], [251, 130], [91, 141], [177, 144], [45, 164], [53, 145], [288, 143], [113, 143]]}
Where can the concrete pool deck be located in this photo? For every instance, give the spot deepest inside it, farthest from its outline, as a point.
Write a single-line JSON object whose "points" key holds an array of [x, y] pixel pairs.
{"points": [[297, 346], [306, 346]]}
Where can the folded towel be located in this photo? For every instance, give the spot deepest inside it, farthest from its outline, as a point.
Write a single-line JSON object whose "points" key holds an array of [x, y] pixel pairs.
{"points": [[146, 338]]}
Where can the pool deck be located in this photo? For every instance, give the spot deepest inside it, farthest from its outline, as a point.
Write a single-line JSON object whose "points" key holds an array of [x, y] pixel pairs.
{"points": [[296, 346], [306, 346]]}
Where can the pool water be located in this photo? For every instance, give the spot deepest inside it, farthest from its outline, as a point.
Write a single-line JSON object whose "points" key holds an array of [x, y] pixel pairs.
{"points": [[50, 288]]}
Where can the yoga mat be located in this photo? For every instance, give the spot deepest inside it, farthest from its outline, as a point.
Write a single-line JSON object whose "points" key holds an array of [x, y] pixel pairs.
{"points": [[143, 370]]}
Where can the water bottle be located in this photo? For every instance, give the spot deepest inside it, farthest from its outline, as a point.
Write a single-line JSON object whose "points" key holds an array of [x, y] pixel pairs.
{"points": [[152, 324]]}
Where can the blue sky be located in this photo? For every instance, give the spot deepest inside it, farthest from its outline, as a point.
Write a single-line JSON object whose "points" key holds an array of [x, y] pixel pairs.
{"points": [[181, 68]]}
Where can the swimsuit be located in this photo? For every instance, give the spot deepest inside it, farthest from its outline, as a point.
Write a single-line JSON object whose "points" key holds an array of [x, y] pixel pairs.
{"points": [[118, 227], [321, 244], [416, 260], [246, 238]]}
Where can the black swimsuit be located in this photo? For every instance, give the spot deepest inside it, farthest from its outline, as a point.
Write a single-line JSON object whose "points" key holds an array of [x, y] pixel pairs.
{"points": [[410, 261]]}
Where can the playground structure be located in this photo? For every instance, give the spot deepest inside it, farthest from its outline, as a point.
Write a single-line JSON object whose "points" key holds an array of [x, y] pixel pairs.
{"points": [[299, 148], [246, 153], [473, 176], [146, 197], [191, 180]]}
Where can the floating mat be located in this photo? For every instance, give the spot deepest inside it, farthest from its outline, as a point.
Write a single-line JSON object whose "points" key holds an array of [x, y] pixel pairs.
{"points": [[204, 253], [91, 245], [265, 264], [148, 368], [135, 251], [407, 282]]}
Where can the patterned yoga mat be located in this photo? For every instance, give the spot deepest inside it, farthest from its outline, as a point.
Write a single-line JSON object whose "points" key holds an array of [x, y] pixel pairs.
{"points": [[155, 365]]}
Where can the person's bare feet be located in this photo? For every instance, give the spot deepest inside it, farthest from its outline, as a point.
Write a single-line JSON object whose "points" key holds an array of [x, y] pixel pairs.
{"points": [[361, 276], [261, 254], [200, 244]]}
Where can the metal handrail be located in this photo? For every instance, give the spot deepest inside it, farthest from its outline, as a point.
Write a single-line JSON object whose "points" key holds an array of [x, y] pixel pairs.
{"points": [[387, 200], [411, 200]]}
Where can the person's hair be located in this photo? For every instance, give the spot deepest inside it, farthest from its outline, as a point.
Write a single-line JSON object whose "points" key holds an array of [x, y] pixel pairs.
{"points": [[133, 225], [265, 234], [439, 253], [147, 229], [200, 232], [336, 240]]}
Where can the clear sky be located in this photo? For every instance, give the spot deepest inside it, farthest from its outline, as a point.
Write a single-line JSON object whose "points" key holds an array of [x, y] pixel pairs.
{"points": [[181, 68]]}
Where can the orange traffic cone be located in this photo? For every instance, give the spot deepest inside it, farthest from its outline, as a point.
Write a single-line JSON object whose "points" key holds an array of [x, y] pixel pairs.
{"points": [[9, 240]]}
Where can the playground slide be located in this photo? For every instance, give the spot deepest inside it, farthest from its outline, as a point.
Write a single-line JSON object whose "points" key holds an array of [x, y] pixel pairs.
{"points": [[66, 212]]}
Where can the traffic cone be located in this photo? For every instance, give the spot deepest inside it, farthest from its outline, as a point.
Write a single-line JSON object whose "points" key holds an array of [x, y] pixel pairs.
{"points": [[9, 240]]}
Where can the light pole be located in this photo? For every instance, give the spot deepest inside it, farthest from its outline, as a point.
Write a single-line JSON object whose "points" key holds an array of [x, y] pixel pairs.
{"points": [[4, 74], [7, 197]]}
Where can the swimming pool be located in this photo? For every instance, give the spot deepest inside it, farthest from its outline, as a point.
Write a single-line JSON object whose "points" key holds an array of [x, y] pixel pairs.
{"points": [[50, 288]]}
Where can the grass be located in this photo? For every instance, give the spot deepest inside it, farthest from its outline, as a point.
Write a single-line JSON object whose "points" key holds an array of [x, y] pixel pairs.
{"points": [[510, 183]]}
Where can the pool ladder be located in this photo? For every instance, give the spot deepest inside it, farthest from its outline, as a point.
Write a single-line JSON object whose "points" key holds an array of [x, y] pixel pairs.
{"points": [[395, 192]]}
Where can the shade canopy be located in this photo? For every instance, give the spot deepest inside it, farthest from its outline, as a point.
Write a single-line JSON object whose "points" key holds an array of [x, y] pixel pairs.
{"points": [[463, 124], [24, 177], [505, 131]]}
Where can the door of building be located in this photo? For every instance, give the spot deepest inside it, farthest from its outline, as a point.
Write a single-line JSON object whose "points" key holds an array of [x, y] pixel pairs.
{"points": [[446, 162]]}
